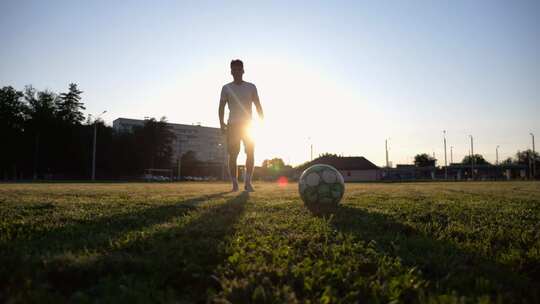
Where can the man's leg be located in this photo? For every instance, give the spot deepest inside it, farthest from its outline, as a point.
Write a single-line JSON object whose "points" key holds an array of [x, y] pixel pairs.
{"points": [[250, 161], [233, 144], [233, 172]]}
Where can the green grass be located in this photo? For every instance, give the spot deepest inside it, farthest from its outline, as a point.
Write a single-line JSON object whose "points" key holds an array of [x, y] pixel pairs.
{"points": [[195, 242]]}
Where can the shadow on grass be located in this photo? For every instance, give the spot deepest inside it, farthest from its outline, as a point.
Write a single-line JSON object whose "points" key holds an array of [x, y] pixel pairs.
{"points": [[446, 266], [176, 260], [93, 234]]}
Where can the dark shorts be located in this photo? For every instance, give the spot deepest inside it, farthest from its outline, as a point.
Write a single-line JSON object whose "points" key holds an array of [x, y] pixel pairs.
{"points": [[237, 132]]}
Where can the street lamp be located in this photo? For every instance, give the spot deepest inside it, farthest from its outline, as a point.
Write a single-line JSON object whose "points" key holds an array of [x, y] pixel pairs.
{"points": [[94, 148]]}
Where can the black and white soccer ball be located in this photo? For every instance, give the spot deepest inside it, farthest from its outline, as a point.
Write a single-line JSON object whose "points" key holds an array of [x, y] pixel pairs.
{"points": [[321, 187]]}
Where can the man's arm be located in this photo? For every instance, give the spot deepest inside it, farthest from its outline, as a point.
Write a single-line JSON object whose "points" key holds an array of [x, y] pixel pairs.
{"points": [[222, 124], [221, 111], [257, 103]]}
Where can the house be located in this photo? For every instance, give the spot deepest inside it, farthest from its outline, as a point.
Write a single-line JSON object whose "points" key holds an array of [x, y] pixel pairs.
{"points": [[353, 168]]}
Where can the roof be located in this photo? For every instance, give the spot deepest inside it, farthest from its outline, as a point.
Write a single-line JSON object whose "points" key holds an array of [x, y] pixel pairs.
{"points": [[343, 163]]}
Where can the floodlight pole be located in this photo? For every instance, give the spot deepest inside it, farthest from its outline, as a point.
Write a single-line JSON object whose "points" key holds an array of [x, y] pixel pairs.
{"points": [[94, 148], [445, 163], [451, 154], [472, 157], [497, 155], [386, 149], [533, 156]]}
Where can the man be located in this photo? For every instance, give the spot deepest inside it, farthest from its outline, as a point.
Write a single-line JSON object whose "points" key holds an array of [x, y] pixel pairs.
{"points": [[240, 95]]}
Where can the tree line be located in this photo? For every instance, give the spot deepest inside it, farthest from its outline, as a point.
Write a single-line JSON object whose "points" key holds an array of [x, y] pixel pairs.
{"points": [[45, 134]]}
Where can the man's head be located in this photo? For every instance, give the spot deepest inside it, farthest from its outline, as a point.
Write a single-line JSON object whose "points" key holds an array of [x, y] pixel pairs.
{"points": [[237, 69]]}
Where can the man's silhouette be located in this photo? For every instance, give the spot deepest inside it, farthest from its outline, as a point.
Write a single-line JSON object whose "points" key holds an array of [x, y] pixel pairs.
{"points": [[239, 95]]}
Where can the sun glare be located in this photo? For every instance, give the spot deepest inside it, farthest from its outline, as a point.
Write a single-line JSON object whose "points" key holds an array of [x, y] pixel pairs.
{"points": [[253, 130]]}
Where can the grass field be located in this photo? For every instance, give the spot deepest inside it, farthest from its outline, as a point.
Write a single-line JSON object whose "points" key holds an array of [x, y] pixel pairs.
{"points": [[196, 242]]}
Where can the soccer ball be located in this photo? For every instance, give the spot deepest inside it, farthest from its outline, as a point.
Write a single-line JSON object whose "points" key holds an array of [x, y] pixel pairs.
{"points": [[321, 187]]}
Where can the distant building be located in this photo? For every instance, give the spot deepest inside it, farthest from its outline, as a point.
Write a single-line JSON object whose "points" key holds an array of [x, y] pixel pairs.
{"points": [[409, 172], [207, 143], [353, 168], [487, 171], [456, 172]]}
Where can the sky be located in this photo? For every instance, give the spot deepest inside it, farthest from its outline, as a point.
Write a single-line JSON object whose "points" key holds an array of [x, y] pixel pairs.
{"points": [[340, 76]]}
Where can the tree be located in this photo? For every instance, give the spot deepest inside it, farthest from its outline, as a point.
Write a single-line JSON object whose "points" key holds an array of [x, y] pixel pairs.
{"points": [[190, 165], [507, 161], [12, 109], [41, 134], [274, 164], [41, 125], [42, 106], [272, 169], [478, 160], [523, 157], [165, 138], [190, 157], [424, 160], [155, 142], [69, 105], [12, 118], [126, 155], [327, 155]]}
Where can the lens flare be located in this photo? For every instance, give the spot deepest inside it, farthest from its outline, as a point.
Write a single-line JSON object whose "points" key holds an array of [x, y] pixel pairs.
{"points": [[282, 181]]}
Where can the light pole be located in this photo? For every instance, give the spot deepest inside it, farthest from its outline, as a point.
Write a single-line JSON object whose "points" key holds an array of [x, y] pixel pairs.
{"points": [[533, 156], [386, 149], [445, 163], [451, 154], [472, 157], [497, 155], [94, 148]]}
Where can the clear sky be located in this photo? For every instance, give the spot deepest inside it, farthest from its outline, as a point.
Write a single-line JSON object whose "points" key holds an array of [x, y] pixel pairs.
{"points": [[341, 75]]}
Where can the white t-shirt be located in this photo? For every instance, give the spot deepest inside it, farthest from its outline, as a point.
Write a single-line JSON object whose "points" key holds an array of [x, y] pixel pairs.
{"points": [[239, 97]]}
